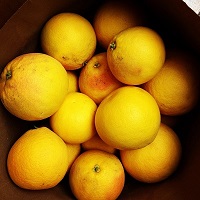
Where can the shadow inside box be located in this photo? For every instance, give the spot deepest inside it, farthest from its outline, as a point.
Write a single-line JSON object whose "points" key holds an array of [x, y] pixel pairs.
{"points": [[64, 184]]}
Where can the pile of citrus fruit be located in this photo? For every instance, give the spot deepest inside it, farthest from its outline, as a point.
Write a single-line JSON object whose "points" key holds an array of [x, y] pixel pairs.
{"points": [[105, 108]]}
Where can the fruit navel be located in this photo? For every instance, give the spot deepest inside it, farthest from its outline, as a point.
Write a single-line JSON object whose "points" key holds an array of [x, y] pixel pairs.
{"points": [[97, 64], [84, 63], [8, 74], [97, 168], [112, 46]]}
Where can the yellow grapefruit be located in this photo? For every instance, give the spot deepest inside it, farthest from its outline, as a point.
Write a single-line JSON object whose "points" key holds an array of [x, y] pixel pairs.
{"points": [[33, 86], [128, 118]]}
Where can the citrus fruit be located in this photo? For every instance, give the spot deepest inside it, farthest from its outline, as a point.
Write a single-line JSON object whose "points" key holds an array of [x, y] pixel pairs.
{"points": [[176, 87], [136, 55], [38, 159], [70, 38], [157, 161], [33, 86], [74, 151], [97, 143], [96, 174], [128, 118], [96, 79], [73, 81], [74, 120], [114, 16]]}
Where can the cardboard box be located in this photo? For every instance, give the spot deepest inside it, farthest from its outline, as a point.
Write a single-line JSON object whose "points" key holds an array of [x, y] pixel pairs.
{"points": [[21, 22]]}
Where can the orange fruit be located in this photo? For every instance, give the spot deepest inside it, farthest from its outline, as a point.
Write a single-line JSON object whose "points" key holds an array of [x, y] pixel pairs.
{"points": [[96, 79], [128, 118], [33, 86], [74, 120], [98, 175], [38, 159], [74, 151], [114, 16], [136, 55], [97, 143], [157, 161], [73, 81], [176, 87], [70, 38]]}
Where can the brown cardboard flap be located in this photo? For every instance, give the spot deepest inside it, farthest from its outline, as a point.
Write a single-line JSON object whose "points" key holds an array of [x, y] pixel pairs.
{"points": [[16, 33], [7, 8]]}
